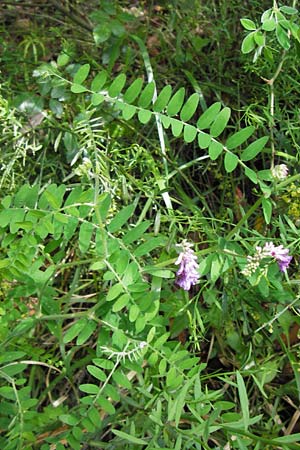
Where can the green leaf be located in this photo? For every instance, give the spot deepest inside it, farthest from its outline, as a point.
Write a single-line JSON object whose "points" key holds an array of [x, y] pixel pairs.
{"points": [[26, 196], [122, 301], [248, 43], [81, 74], [136, 232], [288, 439], [134, 312], [85, 235], [254, 148], [176, 102], [97, 99], [99, 81], [87, 331], [239, 138], [259, 38], [215, 149], [14, 369], [204, 140], [163, 99], [69, 419], [150, 245], [104, 363], [176, 126], [74, 330], [165, 120], [133, 91], [106, 405], [267, 209], [172, 377], [63, 59], [128, 112], [144, 116], [89, 388], [93, 415], [220, 122], [251, 175], [230, 161], [180, 400], [147, 95], [121, 379], [243, 399], [121, 218], [101, 33], [114, 292], [129, 438], [248, 24], [269, 25], [288, 10], [282, 37], [208, 116], [4, 263], [189, 107], [189, 133], [96, 372], [117, 86], [78, 88]]}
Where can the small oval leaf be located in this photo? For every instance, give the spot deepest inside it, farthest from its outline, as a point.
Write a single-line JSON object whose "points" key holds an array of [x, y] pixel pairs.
{"points": [[208, 116], [189, 107], [254, 148], [117, 85], [220, 122], [163, 99], [176, 102], [134, 90], [230, 161], [81, 74], [147, 95]]}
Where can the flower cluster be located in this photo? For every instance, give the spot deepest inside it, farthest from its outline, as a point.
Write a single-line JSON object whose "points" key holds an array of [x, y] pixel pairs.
{"points": [[187, 274], [279, 253], [280, 172]]}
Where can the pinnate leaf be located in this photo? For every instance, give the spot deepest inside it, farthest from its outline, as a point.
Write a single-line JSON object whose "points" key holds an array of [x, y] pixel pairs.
{"points": [[147, 95], [121, 218], [189, 107], [248, 24], [163, 99], [189, 133], [254, 148], [144, 115], [204, 140], [117, 85], [220, 122], [238, 138], [176, 102], [248, 43], [99, 81], [176, 126], [134, 90], [208, 116], [81, 74], [215, 149], [230, 161]]}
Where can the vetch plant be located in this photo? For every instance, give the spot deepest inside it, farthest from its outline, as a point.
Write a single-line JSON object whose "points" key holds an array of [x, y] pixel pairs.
{"points": [[187, 274], [279, 253]]}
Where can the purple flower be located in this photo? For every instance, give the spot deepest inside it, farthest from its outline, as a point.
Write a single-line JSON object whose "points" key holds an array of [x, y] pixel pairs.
{"points": [[280, 253], [187, 274]]}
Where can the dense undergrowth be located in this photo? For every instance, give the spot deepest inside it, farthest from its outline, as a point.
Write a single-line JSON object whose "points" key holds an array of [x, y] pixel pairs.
{"points": [[149, 217]]}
